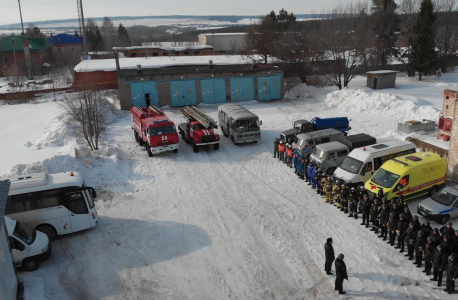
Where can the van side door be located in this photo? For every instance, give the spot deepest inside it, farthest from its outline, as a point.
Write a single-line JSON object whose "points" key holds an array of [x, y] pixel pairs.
{"points": [[402, 188], [18, 249], [79, 212]]}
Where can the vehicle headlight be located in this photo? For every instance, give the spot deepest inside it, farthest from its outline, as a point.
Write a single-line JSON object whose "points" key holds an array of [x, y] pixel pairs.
{"points": [[433, 212], [45, 249]]}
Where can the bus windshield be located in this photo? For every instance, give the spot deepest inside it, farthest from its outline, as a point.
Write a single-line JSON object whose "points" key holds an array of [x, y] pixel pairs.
{"points": [[351, 165], [385, 178], [162, 130], [90, 199], [25, 234], [246, 125]]}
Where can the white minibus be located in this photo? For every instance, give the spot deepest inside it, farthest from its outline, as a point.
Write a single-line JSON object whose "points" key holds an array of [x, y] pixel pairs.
{"points": [[55, 204]]}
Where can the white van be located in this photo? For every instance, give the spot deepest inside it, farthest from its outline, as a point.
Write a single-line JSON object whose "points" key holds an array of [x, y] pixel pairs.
{"points": [[359, 166], [29, 247]]}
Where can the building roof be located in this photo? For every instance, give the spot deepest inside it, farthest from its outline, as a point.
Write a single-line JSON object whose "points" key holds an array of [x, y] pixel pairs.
{"points": [[35, 44], [237, 111], [64, 38], [331, 146], [382, 72], [166, 61], [4, 190], [166, 48]]}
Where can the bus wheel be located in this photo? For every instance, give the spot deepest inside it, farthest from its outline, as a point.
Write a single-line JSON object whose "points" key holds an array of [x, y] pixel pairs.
{"points": [[444, 219], [148, 149], [49, 231], [30, 264], [330, 171], [136, 136], [195, 148], [224, 133], [216, 146]]}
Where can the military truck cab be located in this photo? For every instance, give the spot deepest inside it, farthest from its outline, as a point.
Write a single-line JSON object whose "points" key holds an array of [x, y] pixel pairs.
{"points": [[307, 142], [299, 126]]}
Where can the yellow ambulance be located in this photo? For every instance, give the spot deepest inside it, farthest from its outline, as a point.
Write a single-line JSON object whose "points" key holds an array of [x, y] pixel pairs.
{"points": [[410, 175]]}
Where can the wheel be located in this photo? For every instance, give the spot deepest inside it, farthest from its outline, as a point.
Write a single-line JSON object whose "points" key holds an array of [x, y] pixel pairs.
{"points": [[140, 141], [224, 133], [136, 136], [30, 264], [345, 133], [195, 148], [232, 138], [255, 142], [216, 146], [175, 151], [49, 231], [444, 219], [148, 149], [183, 136], [433, 190], [330, 171]]}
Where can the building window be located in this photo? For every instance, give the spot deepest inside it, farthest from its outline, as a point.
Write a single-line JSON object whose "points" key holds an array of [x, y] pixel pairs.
{"points": [[196, 53], [71, 48], [143, 54], [186, 53], [446, 107], [59, 49], [165, 53], [5, 58], [177, 53], [133, 55], [81, 48], [155, 54]]}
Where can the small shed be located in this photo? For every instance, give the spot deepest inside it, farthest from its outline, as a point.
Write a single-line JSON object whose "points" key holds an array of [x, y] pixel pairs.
{"points": [[8, 280], [383, 79]]}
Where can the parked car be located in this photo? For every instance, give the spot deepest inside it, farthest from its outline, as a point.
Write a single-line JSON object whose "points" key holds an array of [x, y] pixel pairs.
{"points": [[442, 205]]}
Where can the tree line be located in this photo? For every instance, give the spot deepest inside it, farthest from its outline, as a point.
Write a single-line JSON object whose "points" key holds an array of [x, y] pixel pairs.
{"points": [[420, 34]]}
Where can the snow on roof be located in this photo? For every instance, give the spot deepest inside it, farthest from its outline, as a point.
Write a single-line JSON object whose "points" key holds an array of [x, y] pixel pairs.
{"points": [[382, 72], [171, 44], [165, 61], [169, 48], [229, 33]]}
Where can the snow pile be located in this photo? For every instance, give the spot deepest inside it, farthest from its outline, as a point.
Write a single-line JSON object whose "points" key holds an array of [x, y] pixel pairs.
{"points": [[56, 135], [380, 104], [303, 91]]}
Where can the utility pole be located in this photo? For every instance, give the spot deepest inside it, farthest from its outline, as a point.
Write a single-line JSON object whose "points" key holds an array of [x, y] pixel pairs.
{"points": [[20, 13], [81, 20], [15, 62]]}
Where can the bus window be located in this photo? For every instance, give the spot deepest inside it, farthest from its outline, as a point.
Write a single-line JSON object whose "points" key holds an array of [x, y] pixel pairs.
{"points": [[76, 203], [30, 201], [14, 205], [89, 197], [50, 198]]}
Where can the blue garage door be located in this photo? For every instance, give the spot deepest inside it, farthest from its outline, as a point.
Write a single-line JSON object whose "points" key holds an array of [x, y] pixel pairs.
{"points": [[183, 93], [213, 90], [242, 89], [269, 87], [138, 96], [150, 87]]}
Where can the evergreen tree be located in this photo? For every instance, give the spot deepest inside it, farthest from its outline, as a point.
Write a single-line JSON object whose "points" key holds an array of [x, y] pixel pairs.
{"points": [[93, 36], [385, 21], [76, 33], [424, 57], [123, 36]]}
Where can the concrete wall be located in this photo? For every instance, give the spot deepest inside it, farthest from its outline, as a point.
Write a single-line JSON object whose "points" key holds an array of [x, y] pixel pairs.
{"points": [[224, 43], [423, 146], [452, 165], [68, 49], [448, 107], [8, 278], [102, 79], [163, 84]]}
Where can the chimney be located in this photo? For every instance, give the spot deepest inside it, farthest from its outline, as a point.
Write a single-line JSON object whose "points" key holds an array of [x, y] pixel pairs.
{"points": [[28, 59], [116, 56]]}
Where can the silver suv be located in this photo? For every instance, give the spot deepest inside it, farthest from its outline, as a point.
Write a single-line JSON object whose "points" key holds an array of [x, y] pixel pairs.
{"points": [[442, 205]]}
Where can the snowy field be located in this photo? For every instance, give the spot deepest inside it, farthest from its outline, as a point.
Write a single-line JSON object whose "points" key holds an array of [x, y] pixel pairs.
{"points": [[228, 224]]}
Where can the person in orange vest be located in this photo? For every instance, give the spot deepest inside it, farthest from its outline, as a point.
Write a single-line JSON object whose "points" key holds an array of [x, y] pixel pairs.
{"points": [[281, 151], [289, 153]]}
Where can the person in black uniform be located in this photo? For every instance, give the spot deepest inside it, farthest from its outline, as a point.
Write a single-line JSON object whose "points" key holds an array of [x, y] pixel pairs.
{"points": [[439, 263], [401, 229], [419, 246], [391, 227], [447, 230], [411, 234], [426, 228], [276, 142], [344, 199], [365, 205], [408, 214], [375, 211], [436, 236], [329, 253], [384, 217], [353, 203], [452, 273], [429, 252], [341, 273]]}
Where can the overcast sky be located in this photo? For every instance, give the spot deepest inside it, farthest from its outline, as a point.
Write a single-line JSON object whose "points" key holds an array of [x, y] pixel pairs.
{"points": [[40, 10]]}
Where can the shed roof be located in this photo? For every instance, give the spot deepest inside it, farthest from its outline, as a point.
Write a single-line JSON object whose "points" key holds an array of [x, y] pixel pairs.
{"points": [[382, 72], [64, 38], [166, 48], [165, 61], [4, 190], [35, 44]]}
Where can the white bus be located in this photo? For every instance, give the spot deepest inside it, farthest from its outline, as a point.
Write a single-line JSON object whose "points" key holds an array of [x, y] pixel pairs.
{"points": [[55, 204]]}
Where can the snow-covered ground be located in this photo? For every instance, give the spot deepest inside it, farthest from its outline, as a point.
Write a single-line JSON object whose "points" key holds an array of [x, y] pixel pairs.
{"points": [[228, 224]]}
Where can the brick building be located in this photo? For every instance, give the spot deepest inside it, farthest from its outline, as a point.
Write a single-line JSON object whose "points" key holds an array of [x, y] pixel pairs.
{"points": [[152, 51], [450, 113], [37, 49], [446, 119], [66, 44]]}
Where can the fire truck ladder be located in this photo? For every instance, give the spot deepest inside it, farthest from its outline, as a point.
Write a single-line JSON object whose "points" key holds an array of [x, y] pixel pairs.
{"points": [[193, 113], [156, 110]]}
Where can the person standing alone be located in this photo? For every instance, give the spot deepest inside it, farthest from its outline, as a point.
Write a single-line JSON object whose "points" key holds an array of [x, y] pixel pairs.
{"points": [[341, 273], [329, 253]]}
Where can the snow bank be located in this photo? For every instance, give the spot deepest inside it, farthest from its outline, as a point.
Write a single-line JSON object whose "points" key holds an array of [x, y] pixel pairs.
{"points": [[303, 91], [380, 104]]}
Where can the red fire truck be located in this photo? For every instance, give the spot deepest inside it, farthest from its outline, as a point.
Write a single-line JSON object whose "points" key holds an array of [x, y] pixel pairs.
{"points": [[154, 130], [198, 130]]}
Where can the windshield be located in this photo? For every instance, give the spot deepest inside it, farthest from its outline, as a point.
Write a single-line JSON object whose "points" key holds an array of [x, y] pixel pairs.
{"points": [[298, 126], [385, 178], [90, 200], [351, 165], [320, 154], [162, 130], [246, 125], [25, 234], [443, 197]]}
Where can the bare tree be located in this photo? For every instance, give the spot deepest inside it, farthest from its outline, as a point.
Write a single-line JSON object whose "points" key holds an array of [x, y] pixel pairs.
{"points": [[447, 31], [262, 39], [87, 114]]}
